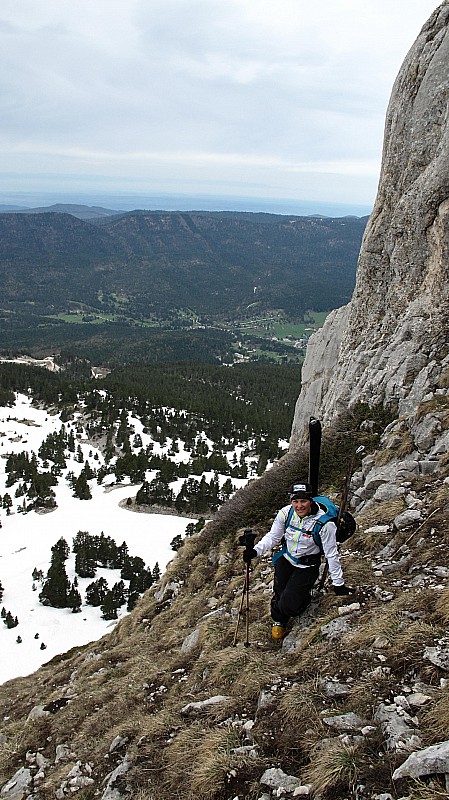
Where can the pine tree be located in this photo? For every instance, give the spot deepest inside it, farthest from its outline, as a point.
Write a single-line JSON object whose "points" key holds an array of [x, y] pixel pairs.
{"points": [[7, 503], [57, 585], [176, 542], [96, 592], [109, 607], [61, 549], [118, 593], [10, 621], [81, 488], [74, 600]]}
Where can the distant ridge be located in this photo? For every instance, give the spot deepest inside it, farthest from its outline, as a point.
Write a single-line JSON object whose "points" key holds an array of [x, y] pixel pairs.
{"points": [[79, 211]]}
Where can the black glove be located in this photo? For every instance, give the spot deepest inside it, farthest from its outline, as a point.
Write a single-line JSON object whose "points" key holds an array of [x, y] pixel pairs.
{"points": [[249, 554], [340, 590]]}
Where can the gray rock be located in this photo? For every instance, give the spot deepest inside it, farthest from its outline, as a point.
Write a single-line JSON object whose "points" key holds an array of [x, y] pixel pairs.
{"points": [[279, 780], [388, 492], [264, 701], [333, 688], [426, 431], [407, 518], [398, 729], [345, 723], [429, 467], [192, 641], [438, 656], [62, 753], [41, 761], [117, 743], [348, 609], [171, 589], [336, 627], [111, 792], [37, 712], [17, 787], [432, 760], [418, 699], [203, 705], [300, 629]]}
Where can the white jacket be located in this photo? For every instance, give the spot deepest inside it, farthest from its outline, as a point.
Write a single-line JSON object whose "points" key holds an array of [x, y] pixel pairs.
{"points": [[299, 540]]}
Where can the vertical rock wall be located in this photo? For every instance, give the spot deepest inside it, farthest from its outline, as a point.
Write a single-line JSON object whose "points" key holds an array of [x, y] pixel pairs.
{"points": [[389, 345]]}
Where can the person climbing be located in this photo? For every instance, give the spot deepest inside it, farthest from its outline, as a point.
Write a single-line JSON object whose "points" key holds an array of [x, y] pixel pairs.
{"points": [[297, 564]]}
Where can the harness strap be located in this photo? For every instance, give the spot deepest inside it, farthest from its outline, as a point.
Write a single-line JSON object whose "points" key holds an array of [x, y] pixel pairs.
{"points": [[305, 561]]}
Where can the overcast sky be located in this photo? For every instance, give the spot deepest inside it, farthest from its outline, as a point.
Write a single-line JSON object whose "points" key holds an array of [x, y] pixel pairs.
{"points": [[255, 98]]}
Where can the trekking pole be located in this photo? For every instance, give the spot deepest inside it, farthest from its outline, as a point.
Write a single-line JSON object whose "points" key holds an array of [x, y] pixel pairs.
{"points": [[244, 591], [247, 540], [247, 606], [343, 504]]}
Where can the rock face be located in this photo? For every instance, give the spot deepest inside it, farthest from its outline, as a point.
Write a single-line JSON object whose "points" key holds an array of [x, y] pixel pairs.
{"points": [[390, 344]]}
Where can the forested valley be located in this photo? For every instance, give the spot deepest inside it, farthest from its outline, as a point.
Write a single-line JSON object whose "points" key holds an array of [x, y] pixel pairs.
{"points": [[166, 286]]}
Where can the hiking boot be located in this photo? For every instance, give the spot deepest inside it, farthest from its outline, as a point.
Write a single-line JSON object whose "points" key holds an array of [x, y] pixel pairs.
{"points": [[277, 630]]}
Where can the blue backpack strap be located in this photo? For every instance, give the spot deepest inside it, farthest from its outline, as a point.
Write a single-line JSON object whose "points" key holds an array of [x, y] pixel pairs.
{"points": [[283, 550], [291, 511], [331, 514], [316, 532], [276, 556]]}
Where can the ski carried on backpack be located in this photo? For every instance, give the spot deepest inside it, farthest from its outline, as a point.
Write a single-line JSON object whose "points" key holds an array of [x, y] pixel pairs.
{"points": [[314, 453]]}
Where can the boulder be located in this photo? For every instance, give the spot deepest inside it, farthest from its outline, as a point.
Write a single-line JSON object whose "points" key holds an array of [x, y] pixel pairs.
{"points": [[203, 705], [192, 641], [17, 787], [345, 723], [397, 727], [433, 760], [279, 780], [438, 655]]}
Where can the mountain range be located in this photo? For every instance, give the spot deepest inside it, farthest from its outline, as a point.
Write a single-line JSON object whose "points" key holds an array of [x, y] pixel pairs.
{"points": [[168, 269]]}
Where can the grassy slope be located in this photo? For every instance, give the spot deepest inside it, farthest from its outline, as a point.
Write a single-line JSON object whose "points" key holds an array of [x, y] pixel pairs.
{"points": [[135, 682]]}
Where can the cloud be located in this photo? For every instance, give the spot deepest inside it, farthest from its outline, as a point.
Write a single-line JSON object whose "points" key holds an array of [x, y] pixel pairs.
{"points": [[195, 87]]}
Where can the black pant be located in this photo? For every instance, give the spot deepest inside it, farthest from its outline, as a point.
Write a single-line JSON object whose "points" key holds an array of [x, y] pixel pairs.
{"points": [[292, 587]]}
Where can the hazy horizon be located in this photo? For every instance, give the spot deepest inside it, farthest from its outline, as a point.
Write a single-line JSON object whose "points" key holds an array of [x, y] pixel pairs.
{"points": [[248, 99], [182, 202]]}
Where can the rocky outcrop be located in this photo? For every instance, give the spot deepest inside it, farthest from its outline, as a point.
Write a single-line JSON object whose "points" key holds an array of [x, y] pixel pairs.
{"points": [[388, 346]]}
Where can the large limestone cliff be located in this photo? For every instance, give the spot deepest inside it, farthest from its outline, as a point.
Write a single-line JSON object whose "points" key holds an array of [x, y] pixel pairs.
{"points": [[389, 345]]}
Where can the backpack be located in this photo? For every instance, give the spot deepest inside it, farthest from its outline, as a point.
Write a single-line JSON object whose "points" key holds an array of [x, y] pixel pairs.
{"points": [[346, 526]]}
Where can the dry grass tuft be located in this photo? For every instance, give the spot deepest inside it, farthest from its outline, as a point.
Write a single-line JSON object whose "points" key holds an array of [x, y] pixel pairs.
{"points": [[442, 606], [207, 760], [336, 767], [357, 571], [367, 692], [300, 708], [401, 636], [382, 513], [428, 791], [385, 624], [393, 451], [239, 669], [435, 720]]}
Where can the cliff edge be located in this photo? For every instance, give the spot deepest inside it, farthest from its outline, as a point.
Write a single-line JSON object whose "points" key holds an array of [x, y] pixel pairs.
{"points": [[389, 346]]}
